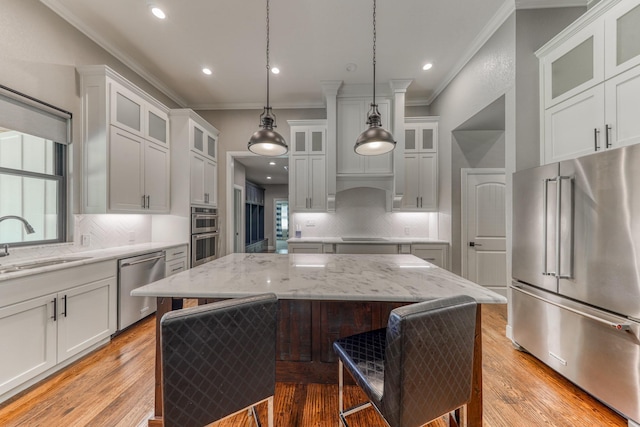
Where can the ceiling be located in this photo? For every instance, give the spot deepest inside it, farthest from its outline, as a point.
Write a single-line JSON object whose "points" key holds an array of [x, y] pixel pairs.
{"points": [[311, 41], [258, 168]]}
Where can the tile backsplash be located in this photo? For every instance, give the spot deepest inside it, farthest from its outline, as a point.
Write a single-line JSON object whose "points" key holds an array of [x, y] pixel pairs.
{"points": [[360, 212]]}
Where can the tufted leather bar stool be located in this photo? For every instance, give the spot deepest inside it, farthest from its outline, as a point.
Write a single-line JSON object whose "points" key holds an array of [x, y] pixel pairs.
{"points": [[218, 359], [416, 369]]}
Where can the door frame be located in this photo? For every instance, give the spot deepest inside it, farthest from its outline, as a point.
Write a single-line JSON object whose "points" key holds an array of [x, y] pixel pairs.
{"points": [[238, 217], [275, 219], [230, 188], [464, 176]]}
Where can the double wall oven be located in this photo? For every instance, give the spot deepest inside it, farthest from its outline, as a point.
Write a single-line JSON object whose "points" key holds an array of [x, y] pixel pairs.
{"points": [[204, 235]]}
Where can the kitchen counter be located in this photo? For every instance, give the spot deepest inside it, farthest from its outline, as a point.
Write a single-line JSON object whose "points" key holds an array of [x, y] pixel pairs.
{"points": [[89, 257], [390, 278], [386, 240]]}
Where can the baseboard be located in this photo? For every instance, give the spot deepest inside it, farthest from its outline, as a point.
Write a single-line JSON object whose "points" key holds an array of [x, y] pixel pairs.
{"points": [[632, 423], [509, 333]]}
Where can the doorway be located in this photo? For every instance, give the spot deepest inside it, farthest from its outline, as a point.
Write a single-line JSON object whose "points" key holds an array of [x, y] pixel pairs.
{"points": [[238, 223], [484, 257], [281, 225]]}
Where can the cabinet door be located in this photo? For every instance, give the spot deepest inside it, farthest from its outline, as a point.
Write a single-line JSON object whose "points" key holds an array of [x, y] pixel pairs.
{"points": [[299, 183], [157, 178], [305, 248], [211, 146], [157, 126], [351, 116], [83, 317], [299, 143], [317, 183], [575, 127], [127, 110], [411, 198], [197, 179], [623, 108], [28, 335], [435, 254], [317, 140], [126, 171], [575, 66], [622, 36], [211, 182], [429, 182], [411, 134], [197, 138]]}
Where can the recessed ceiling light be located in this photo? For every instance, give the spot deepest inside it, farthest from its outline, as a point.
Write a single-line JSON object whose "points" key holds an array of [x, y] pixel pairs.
{"points": [[272, 163], [158, 13], [268, 177], [207, 71], [351, 67], [275, 70], [427, 66]]}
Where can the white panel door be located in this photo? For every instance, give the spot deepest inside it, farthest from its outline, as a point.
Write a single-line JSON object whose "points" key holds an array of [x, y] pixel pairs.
{"points": [[126, 171], [484, 228], [575, 127], [157, 177], [411, 198], [211, 182], [196, 169], [28, 335], [623, 108], [317, 183], [429, 182], [299, 183]]}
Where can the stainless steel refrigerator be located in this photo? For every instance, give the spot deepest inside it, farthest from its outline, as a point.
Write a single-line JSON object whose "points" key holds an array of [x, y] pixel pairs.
{"points": [[576, 272]]}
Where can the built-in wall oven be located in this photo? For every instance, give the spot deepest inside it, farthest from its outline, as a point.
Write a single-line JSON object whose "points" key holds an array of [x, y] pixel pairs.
{"points": [[204, 235]]}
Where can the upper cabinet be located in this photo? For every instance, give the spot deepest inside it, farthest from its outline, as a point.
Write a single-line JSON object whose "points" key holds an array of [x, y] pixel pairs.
{"points": [[125, 136], [420, 164], [590, 83], [194, 149], [352, 118], [308, 166]]}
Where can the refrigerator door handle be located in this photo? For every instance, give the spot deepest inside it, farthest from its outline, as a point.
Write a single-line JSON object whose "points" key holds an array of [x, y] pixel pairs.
{"points": [[545, 190], [615, 325], [559, 254]]}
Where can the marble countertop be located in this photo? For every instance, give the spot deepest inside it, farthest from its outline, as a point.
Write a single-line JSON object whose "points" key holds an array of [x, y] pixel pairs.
{"points": [[399, 278], [386, 241], [89, 257]]}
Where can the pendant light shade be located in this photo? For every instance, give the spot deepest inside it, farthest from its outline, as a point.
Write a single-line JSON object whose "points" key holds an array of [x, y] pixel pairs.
{"points": [[266, 141], [375, 140]]}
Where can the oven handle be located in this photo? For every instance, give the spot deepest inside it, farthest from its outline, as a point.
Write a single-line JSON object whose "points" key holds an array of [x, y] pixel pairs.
{"points": [[205, 216], [204, 236], [126, 264]]}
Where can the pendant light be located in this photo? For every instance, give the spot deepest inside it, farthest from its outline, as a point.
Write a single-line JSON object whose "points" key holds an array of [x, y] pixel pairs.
{"points": [[266, 141], [375, 140]]}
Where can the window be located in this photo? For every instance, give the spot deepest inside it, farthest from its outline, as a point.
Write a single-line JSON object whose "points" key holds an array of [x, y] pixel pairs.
{"points": [[33, 170]]}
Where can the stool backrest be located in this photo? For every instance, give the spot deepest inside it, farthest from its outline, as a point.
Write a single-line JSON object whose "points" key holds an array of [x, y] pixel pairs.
{"points": [[428, 360], [217, 359]]}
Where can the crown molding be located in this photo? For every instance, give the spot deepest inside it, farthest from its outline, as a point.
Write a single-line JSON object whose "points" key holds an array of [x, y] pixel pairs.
{"points": [[546, 4], [256, 106], [72, 19], [505, 11]]}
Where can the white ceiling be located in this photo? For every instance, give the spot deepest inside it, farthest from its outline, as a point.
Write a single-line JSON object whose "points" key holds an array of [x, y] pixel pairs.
{"points": [[258, 169], [311, 41]]}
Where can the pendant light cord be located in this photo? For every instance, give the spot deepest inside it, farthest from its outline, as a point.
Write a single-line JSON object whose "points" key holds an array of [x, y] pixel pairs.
{"points": [[268, 54], [374, 52]]}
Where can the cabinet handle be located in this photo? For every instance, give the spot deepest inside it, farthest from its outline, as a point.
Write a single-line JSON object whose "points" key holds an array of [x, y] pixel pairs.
{"points": [[417, 202], [420, 201], [176, 269], [148, 202], [143, 198], [55, 309], [596, 131], [64, 298], [607, 130]]}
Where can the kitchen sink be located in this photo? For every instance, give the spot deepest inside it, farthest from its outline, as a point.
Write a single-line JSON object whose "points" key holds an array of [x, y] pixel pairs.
{"points": [[38, 264]]}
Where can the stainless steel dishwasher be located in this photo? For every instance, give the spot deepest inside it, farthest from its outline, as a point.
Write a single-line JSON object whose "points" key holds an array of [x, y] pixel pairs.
{"points": [[132, 273]]}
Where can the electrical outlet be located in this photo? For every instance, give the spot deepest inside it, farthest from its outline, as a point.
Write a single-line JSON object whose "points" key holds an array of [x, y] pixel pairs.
{"points": [[85, 240], [132, 236], [310, 223], [407, 231]]}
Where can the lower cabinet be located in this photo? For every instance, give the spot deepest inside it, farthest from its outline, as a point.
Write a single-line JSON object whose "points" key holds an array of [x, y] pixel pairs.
{"points": [[176, 260], [47, 319], [435, 253], [305, 248]]}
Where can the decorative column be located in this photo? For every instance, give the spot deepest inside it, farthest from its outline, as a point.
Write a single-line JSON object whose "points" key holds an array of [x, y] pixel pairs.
{"points": [[398, 88], [330, 89]]}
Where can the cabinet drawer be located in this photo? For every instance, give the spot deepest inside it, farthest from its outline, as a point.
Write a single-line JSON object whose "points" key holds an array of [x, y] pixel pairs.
{"points": [[436, 255], [366, 249], [175, 266], [174, 253]]}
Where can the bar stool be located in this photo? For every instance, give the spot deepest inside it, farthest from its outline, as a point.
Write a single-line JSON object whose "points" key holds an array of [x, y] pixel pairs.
{"points": [[218, 359], [416, 369]]}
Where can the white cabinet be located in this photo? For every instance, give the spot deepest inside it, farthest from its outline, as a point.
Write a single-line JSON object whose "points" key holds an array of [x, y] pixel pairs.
{"points": [[590, 82], [308, 166], [194, 148], [352, 117], [176, 260], [138, 174], [125, 146], [435, 253], [305, 248], [420, 165], [48, 320]]}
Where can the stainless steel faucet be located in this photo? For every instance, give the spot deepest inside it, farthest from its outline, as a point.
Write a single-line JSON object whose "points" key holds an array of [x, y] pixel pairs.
{"points": [[28, 228]]}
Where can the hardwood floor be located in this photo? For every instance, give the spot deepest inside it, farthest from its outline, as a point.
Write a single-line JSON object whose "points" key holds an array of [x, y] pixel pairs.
{"points": [[114, 387]]}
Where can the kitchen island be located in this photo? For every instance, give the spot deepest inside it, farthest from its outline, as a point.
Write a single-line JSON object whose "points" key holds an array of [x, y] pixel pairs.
{"points": [[321, 297]]}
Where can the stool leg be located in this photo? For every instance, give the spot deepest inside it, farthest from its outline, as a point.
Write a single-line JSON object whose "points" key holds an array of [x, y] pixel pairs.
{"points": [[340, 385], [270, 411]]}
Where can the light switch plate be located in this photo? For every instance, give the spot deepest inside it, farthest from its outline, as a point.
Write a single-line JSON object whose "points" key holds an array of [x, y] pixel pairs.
{"points": [[85, 240]]}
